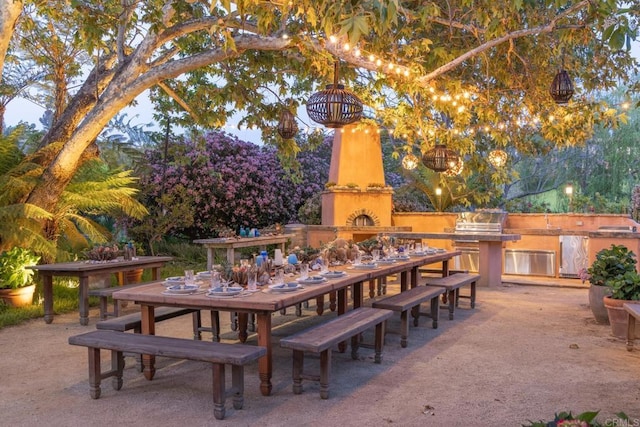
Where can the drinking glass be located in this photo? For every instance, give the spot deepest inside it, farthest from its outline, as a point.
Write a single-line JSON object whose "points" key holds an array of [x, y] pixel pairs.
{"points": [[357, 259], [252, 279], [279, 277], [215, 280], [189, 277], [376, 254], [304, 271]]}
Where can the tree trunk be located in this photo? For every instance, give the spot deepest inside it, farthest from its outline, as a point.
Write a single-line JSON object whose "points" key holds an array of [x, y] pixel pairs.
{"points": [[10, 10]]}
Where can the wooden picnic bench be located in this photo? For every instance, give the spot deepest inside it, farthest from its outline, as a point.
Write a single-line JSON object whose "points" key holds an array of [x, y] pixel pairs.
{"points": [[452, 285], [218, 354], [633, 311], [411, 299], [105, 293], [321, 338]]}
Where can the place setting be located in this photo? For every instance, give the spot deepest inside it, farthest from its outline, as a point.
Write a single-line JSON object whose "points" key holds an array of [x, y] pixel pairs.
{"points": [[182, 285], [229, 289]]}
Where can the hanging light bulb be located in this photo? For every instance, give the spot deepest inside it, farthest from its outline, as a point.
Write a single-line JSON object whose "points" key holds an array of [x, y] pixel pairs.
{"points": [[455, 168], [409, 162], [498, 158]]}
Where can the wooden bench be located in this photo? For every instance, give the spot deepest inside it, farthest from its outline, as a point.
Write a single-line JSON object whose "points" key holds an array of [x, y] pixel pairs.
{"points": [[105, 293], [320, 339], [218, 354], [633, 311], [452, 285], [411, 299]]}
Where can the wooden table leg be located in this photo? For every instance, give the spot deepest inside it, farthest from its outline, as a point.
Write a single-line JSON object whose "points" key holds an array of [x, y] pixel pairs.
{"points": [[83, 290], [358, 297], [47, 290], [372, 288], [155, 273], [332, 301], [342, 309], [148, 327], [320, 305], [243, 321], [265, 363], [403, 281], [414, 277]]}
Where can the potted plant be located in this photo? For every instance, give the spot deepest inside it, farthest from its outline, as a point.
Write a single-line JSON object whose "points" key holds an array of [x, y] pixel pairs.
{"points": [[16, 285], [614, 269], [609, 264]]}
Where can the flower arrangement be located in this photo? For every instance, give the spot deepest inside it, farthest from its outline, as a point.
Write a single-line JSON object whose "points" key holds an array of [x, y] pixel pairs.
{"points": [[103, 252], [585, 419], [340, 251]]}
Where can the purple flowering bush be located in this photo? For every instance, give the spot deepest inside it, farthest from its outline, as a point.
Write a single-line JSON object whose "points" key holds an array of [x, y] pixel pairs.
{"points": [[218, 181]]}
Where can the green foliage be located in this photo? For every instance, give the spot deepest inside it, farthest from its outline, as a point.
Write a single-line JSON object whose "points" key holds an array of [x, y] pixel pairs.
{"points": [[310, 212], [625, 287], [14, 273], [611, 264]]}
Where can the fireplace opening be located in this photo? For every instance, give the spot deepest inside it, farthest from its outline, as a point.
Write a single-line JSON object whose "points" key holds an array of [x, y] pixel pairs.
{"points": [[363, 221]]}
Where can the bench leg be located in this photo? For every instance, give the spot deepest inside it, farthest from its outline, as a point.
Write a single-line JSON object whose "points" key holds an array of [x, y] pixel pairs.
{"points": [[95, 375], [355, 346], [320, 305], [452, 303], [435, 312], [299, 310], [219, 388], [237, 382], [298, 368], [325, 373], [404, 328], [379, 340], [117, 366], [104, 307], [473, 294], [415, 313]]}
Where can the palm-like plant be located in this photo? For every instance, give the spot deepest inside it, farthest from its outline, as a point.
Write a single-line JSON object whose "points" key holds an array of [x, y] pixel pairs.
{"points": [[95, 190]]}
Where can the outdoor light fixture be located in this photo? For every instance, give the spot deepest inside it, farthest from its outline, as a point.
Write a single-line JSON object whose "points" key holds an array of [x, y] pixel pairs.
{"points": [[561, 88], [498, 158], [439, 158], [438, 191], [409, 162], [335, 106], [455, 169], [568, 190], [287, 126]]}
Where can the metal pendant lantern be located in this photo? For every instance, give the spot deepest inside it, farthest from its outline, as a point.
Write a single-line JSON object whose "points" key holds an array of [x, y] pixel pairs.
{"points": [[439, 158], [335, 106], [287, 126], [409, 162], [561, 88], [498, 158]]}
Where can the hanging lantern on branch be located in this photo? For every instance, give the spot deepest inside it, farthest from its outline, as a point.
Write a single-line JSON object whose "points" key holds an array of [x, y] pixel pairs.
{"points": [[334, 107], [409, 162], [439, 158], [561, 89], [498, 158], [287, 126]]}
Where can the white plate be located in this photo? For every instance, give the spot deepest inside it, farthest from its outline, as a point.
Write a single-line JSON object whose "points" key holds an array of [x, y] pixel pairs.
{"points": [[333, 274], [175, 279], [365, 266], [286, 287], [182, 289], [312, 280], [231, 291], [386, 261], [399, 257]]}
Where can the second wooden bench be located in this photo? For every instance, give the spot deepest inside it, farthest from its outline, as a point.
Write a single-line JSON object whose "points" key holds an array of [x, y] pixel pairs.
{"points": [[320, 339], [411, 299], [218, 354], [452, 285]]}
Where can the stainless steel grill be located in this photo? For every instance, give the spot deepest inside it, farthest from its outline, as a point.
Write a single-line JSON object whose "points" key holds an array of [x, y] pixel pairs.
{"points": [[618, 228], [482, 222]]}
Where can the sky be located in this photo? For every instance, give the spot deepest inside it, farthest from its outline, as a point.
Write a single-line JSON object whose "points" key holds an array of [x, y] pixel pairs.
{"points": [[21, 109]]}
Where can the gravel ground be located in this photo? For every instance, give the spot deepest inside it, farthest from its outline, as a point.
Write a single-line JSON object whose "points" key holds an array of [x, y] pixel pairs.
{"points": [[523, 353]]}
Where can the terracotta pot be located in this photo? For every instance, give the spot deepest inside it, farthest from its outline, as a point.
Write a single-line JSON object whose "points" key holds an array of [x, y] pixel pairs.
{"points": [[618, 317], [596, 294], [133, 276], [20, 297]]}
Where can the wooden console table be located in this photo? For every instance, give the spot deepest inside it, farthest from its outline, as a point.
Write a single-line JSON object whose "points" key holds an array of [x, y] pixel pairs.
{"points": [[229, 244], [85, 269]]}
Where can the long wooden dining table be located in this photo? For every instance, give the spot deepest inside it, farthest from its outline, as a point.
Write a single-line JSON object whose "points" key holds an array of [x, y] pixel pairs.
{"points": [[266, 302]]}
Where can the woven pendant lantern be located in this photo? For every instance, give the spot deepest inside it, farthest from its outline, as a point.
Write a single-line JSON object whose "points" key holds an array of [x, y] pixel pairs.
{"points": [[287, 126], [561, 89], [335, 106], [439, 158]]}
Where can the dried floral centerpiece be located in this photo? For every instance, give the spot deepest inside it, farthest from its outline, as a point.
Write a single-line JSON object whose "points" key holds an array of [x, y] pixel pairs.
{"points": [[103, 253]]}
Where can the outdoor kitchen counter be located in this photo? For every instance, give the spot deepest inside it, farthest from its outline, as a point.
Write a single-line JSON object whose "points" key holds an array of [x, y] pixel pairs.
{"points": [[553, 231], [490, 251]]}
